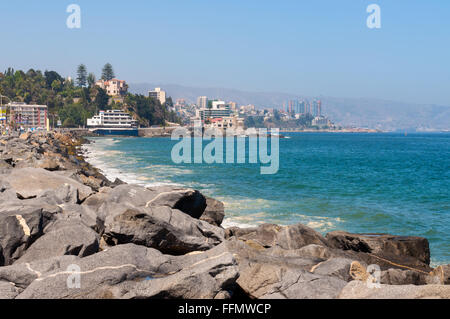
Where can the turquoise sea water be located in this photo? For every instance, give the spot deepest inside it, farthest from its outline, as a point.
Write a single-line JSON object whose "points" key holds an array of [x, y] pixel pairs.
{"points": [[387, 183]]}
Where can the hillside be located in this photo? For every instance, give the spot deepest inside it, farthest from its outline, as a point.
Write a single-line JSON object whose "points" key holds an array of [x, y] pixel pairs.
{"points": [[73, 104]]}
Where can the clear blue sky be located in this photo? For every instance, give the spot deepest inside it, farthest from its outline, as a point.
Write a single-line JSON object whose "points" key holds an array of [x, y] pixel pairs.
{"points": [[320, 47]]}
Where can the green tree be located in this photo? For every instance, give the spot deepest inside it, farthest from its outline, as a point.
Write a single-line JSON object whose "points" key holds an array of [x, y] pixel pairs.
{"points": [[108, 72], [56, 86], [101, 99], [51, 76], [91, 79], [81, 75], [27, 98], [68, 122]]}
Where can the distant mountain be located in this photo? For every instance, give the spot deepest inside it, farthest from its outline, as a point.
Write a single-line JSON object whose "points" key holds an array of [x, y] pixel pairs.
{"points": [[363, 112]]}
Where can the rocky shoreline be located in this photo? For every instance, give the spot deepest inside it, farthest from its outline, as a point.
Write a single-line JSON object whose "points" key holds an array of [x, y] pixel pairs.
{"points": [[66, 231]]}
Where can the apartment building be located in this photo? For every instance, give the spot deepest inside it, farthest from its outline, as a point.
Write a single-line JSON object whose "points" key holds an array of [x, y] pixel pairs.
{"points": [[28, 116]]}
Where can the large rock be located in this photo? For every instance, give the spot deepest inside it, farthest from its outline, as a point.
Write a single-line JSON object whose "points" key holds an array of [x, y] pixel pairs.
{"points": [[73, 239], [168, 230], [19, 228], [188, 201], [97, 199], [286, 237], [65, 194], [335, 267], [266, 273], [80, 214], [403, 277], [17, 277], [214, 212], [130, 271], [407, 251], [207, 275], [33, 182], [360, 290], [50, 164]]}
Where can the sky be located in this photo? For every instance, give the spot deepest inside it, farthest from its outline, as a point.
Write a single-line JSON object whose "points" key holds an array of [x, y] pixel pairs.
{"points": [[312, 48]]}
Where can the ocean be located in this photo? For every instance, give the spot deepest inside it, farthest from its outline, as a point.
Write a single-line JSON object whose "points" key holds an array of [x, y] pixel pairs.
{"points": [[378, 183]]}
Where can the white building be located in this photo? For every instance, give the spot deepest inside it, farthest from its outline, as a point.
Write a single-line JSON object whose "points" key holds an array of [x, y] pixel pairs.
{"points": [[218, 105], [158, 94], [320, 121], [112, 119], [214, 113]]}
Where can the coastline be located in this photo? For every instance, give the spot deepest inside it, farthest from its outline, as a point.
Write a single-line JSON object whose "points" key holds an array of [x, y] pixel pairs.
{"points": [[122, 219]]}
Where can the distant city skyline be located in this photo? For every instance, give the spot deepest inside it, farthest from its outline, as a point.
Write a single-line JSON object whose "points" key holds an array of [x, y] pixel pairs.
{"points": [[299, 47]]}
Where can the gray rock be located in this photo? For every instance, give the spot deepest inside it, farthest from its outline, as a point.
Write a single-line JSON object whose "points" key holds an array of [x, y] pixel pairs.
{"points": [[90, 181], [65, 194], [335, 267], [315, 251], [404, 250], [206, 275], [214, 212], [8, 196], [266, 274], [402, 277], [97, 199], [306, 286], [168, 230], [78, 240], [19, 228], [22, 275], [8, 290], [187, 200], [360, 290], [79, 214], [49, 164], [286, 237], [131, 271], [33, 182]]}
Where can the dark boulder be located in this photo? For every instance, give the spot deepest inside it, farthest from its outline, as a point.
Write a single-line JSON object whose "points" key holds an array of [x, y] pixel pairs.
{"points": [[403, 277], [188, 201], [407, 251], [22, 275], [73, 239], [19, 228], [286, 237], [214, 212], [168, 230]]}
